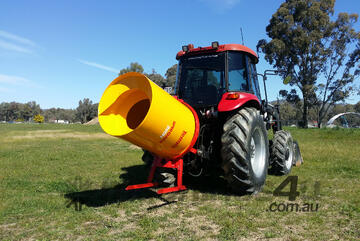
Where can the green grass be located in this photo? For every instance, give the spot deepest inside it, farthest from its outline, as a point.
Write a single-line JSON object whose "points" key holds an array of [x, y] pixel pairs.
{"points": [[46, 170]]}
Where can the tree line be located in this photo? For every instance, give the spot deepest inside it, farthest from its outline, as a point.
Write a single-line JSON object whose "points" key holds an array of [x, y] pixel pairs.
{"points": [[17, 111], [291, 105], [291, 113], [86, 110], [26, 112]]}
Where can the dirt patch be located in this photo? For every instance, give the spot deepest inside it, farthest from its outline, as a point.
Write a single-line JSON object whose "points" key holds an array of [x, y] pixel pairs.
{"points": [[90, 223], [133, 147], [8, 229], [9, 226], [48, 131], [93, 121], [126, 223], [201, 227], [130, 226]]}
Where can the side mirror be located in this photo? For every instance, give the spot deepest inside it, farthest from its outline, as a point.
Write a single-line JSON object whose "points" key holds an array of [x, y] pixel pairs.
{"points": [[287, 80]]}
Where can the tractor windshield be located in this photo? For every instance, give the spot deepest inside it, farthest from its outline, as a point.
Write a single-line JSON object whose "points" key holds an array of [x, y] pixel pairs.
{"points": [[202, 79]]}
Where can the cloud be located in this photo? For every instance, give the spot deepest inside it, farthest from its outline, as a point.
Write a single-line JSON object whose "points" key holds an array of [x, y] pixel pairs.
{"points": [[17, 81], [99, 66], [220, 6], [14, 47], [16, 38], [14, 80], [12, 42], [5, 90]]}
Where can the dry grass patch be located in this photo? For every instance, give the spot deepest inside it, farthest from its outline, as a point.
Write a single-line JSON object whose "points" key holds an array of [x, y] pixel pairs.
{"points": [[58, 134], [199, 226]]}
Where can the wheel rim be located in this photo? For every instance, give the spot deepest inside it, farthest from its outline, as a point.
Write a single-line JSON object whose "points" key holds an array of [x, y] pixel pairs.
{"points": [[289, 156], [258, 152]]}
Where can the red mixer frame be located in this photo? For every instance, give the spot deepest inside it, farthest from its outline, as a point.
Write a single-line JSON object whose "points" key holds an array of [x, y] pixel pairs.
{"points": [[175, 163]]}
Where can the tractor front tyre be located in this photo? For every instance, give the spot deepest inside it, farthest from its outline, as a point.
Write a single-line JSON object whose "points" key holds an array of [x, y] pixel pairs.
{"points": [[281, 153], [245, 151]]}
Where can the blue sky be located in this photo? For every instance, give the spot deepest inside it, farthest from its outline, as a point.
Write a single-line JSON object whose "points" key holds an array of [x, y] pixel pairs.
{"points": [[58, 52]]}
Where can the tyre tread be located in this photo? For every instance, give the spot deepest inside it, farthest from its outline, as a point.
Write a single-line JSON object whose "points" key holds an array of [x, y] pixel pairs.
{"points": [[234, 151]]}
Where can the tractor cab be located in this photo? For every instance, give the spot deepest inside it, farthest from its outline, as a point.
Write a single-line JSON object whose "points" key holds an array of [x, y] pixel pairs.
{"points": [[206, 74]]}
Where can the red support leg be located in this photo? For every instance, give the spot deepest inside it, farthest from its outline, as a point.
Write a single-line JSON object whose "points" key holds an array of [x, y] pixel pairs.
{"points": [[179, 173], [155, 164], [150, 182], [178, 164]]}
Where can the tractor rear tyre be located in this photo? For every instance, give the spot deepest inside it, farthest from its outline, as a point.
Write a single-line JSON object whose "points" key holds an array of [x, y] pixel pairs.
{"points": [[281, 153], [245, 151]]}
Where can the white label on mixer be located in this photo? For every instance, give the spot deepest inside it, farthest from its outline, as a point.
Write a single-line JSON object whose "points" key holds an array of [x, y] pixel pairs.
{"points": [[165, 131]]}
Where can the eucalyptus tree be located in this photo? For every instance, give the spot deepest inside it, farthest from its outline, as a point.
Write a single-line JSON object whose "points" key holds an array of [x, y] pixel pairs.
{"points": [[315, 51]]}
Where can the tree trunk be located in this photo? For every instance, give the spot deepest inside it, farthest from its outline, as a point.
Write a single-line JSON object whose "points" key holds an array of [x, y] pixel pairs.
{"points": [[305, 114]]}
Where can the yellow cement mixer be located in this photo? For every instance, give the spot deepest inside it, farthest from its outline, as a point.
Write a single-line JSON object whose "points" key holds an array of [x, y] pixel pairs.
{"points": [[137, 110]]}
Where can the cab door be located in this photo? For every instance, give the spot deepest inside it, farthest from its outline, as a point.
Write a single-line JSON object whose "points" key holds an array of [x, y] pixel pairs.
{"points": [[252, 75]]}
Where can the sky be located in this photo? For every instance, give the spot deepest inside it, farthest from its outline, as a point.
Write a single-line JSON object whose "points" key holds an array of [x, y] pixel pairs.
{"points": [[59, 52]]}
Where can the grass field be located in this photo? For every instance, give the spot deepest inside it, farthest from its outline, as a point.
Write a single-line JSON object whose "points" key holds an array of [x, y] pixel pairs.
{"points": [[67, 182]]}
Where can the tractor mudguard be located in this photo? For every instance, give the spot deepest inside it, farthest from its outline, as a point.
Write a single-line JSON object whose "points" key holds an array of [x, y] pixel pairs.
{"points": [[233, 100]]}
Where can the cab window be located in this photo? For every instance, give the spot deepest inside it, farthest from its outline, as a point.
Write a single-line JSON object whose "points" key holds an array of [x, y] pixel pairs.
{"points": [[253, 77], [237, 75]]}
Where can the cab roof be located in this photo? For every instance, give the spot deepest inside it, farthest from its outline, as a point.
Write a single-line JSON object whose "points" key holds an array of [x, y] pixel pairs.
{"points": [[222, 48]]}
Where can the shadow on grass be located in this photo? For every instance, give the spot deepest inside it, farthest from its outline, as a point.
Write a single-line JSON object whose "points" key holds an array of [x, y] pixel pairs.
{"points": [[136, 175], [114, 194]]}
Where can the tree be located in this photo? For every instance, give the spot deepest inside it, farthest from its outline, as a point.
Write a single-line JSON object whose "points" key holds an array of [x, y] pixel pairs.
{"points": [[86, 110], [13, 111], [357, 107], [157, 78], [134, 67], [61, 114], [39, 118], [169, 81], [337, 88], [307, 45], [5, 111], [171, 75], [18, 111], [51, 114], [288, 111], [29, 110]]}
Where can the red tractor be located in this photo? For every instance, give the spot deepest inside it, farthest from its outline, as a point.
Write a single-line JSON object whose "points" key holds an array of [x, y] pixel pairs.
{"points": [[221, 83]]}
